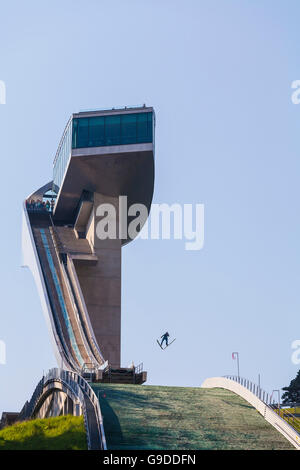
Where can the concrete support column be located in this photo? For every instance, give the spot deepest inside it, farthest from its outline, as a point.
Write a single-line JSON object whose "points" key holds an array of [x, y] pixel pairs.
{"points": [[101, 283]]}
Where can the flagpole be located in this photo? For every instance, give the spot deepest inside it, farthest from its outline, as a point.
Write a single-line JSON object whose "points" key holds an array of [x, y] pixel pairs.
{"points": [[235, 355]]}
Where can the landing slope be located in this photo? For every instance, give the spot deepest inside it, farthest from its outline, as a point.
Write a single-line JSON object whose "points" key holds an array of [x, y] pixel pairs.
{"points": [[153, 417]]}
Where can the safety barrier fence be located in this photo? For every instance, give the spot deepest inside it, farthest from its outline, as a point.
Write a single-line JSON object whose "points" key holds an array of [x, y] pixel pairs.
{"points": [[74, 378], [72, 298], [139, 368], [253, 388], [33, 261], [290, 417], [76, 294], [77, 356], [76, 300], [81, 389], [135, 370], [28, 408]]}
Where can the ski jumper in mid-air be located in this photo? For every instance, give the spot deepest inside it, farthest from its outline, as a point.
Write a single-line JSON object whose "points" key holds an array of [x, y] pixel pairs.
{"points": [[165, 337]]}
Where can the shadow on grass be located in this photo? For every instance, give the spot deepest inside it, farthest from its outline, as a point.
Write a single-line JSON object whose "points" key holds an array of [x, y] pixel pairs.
{"points": [[136, 417], [122, 397], [239, 405], [112, 399]]}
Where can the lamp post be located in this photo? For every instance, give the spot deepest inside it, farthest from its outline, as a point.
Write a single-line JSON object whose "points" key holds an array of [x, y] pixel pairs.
{"points": [[235, 355]]}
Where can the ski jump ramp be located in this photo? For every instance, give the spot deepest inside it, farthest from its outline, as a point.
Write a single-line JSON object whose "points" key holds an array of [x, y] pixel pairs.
{"points": [[102, 155]]}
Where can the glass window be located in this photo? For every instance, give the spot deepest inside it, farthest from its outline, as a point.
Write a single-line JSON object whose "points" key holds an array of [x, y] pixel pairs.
{"points": [[128, 128], [96, 132], [142, 127], [74, 133], [150, 128], [83, 133], [100, 131], [112, 130]]}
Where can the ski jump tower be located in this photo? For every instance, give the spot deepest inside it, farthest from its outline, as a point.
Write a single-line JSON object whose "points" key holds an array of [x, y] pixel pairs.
{"points": [[102, 155]]}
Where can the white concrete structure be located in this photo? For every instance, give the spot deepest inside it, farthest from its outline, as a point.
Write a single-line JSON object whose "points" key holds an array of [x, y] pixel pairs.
{"points": [[280, 424]]}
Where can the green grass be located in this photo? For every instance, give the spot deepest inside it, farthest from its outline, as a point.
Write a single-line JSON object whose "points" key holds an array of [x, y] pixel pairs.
{"points": [[178, 418], [293, 410], [288, 415], [61, 433]]}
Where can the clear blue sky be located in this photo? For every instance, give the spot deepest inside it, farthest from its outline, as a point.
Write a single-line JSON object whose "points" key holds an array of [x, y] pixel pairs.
{"points": [[218, 73]]}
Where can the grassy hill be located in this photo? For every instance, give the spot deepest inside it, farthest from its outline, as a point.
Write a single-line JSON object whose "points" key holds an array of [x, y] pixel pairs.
{"points": [[152, 417], [61, 433]]}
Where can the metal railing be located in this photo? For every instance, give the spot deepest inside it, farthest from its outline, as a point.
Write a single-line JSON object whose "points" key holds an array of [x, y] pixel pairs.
{"points": [[268, 399], [77, 301], [251, 392], [289, 417], [115, 108], [253, 388], [28, 408], [94, 400], [37, 268], [89, 371], [139, 368], [83, 311], [64, 350], [80, 389], [60, 247], [79, 384], [77, 314]]}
